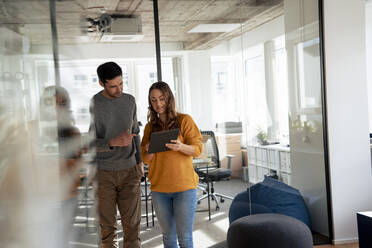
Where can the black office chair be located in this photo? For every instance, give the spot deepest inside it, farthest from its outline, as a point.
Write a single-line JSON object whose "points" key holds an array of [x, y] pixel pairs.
{"points": [[146, 196], [213, 172]]}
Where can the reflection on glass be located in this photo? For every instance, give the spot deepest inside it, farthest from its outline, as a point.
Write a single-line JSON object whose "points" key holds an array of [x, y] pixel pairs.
{"points": [[29, 178], [233, 82], [308, 57], [33, 187], [306, 118]]}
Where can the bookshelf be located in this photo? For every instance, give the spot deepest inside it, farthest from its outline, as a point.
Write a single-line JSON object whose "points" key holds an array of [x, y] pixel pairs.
{"points": [[263, 159]]}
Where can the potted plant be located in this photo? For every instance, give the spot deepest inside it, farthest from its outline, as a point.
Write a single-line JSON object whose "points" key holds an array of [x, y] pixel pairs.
{"points": [[262, 137]]}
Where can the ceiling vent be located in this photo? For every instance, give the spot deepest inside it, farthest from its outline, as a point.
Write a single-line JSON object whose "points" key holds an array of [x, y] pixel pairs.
{"points": [[120, 28]]}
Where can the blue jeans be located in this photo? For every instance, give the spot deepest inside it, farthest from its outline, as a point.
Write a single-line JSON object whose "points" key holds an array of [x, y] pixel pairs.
{"points": [[175, 213]]}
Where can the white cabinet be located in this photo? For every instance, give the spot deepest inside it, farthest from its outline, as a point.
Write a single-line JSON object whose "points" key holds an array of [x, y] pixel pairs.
{"points": [[263, 160]]}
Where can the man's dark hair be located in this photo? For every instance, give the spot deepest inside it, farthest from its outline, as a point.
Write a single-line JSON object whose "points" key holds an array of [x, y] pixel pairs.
{"points": [[108, 71]]}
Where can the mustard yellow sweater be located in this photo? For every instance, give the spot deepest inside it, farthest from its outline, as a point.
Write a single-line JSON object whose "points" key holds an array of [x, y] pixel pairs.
{"points": [[173, 171]]}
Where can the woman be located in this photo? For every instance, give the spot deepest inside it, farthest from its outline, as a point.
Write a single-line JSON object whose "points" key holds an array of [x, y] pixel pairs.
{"points": [[173, 179]]}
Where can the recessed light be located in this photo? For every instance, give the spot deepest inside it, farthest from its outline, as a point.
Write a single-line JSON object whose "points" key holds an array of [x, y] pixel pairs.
{"points": [[214, 28]]}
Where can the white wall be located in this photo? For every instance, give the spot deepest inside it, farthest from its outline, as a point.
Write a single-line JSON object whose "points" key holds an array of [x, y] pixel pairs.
{"points": [[349, 155], [369, 59]]}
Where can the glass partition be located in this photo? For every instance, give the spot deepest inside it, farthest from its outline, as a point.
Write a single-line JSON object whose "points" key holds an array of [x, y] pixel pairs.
{"points": [[306, 119], [247, 72], [29, 151], [257, 86], [210, 81]]}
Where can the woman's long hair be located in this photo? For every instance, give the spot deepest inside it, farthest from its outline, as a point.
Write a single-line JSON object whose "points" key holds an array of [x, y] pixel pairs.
{"points": [[171, 120]]}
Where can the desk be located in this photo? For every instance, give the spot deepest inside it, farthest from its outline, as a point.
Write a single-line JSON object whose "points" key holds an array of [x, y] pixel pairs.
{"points": [[201, 162]]}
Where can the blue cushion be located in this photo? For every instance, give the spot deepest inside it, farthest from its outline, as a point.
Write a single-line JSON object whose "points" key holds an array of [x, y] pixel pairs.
{"points": [[272, 196], [241, 207]]}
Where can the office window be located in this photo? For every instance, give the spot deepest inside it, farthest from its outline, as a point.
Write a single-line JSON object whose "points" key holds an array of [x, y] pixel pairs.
{"points": [[125, 79], [281, 80], [80, 81], [146, 75], [225, 100], [258, 117], [221, 81], [94, 80], [152, 77]]}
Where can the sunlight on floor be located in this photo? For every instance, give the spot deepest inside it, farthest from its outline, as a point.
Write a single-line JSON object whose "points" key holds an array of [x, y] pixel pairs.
{"points": [[214, 215], [202, 239], [222, 224], [83, 244], [151, 239], [209, 236]]}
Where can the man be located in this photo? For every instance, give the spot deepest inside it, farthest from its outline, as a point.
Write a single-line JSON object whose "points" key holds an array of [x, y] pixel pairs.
{"points": [[120, 168]]}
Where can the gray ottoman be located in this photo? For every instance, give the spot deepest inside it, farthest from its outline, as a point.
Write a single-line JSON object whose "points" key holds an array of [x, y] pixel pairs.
{"points": [[269, 231]]}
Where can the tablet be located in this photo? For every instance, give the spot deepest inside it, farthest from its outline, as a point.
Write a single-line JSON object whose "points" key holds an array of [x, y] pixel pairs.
{"points": [[159, 139]]}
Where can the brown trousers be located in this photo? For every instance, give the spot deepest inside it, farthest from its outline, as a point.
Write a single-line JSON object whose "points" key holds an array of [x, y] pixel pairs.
{"points": [[122, 189]]}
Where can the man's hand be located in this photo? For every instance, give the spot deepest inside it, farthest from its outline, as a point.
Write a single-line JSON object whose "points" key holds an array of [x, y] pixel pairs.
{"points": [[123, 139], [140, 164]]}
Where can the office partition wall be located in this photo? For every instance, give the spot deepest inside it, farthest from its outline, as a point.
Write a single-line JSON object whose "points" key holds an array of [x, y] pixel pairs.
{"points": [[250, 71], [29, 161], [269, 79], [307, 121]]}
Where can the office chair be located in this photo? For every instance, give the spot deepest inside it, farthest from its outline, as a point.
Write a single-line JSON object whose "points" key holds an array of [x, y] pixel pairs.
{"points": [[213, 172], [146, 196]]}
